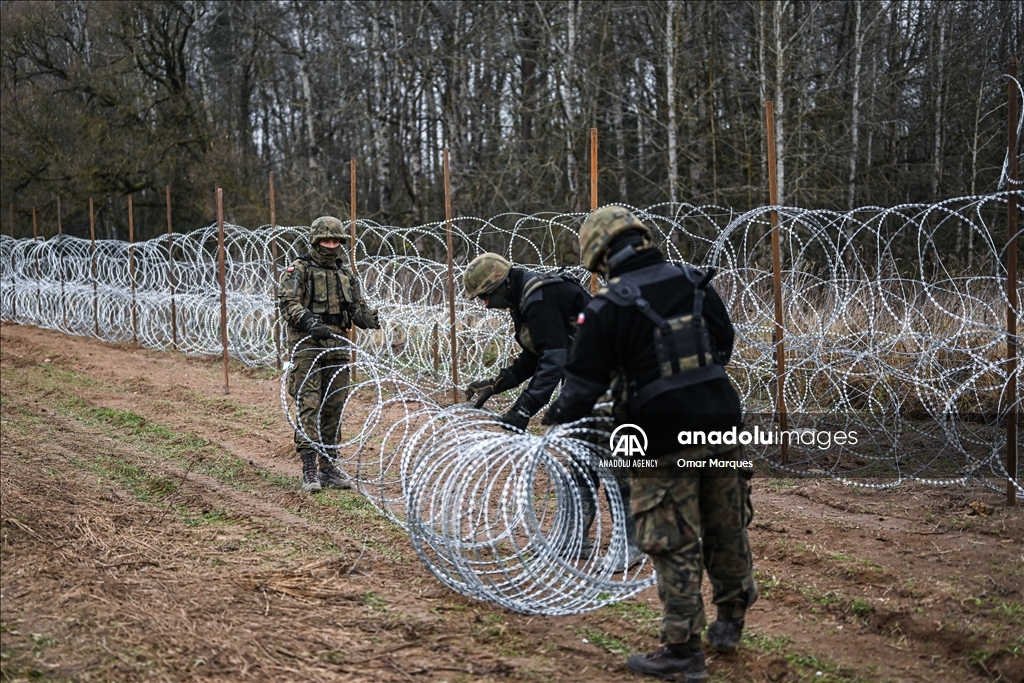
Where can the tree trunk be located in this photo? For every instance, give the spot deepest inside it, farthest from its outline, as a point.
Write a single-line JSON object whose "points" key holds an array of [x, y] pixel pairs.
{"points": [[858, 46], [670, 79], [937, 140], [780, 70], [570, 105]]}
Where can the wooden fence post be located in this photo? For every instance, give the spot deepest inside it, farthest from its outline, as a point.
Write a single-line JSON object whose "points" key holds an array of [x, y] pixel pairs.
{"points": [[352, 258], [60, 268], [1011, 281], [170, 268], [780, 349], [453, 340], [131, 268], [14, 293], [223, 286], [95, 296], [35, 249], [273, 267]]}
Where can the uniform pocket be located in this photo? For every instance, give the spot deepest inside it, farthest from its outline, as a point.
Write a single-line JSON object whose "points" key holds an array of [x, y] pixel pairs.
{"points": [[318, 295], [345, 287], [657, 526]]}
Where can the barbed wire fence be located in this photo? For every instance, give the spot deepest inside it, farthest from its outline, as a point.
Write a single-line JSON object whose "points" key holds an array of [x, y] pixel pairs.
{"points": [[894, 328]]}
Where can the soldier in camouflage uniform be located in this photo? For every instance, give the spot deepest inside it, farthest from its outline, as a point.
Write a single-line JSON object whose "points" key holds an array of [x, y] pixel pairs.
{"points": [[665, 333], [319, 300]]}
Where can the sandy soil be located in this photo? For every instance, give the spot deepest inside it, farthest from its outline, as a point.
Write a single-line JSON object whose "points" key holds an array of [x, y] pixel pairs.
{"points": [[152, 530]]}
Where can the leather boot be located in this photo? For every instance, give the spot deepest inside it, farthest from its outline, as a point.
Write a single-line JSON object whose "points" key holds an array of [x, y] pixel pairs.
{"points": [[310, 481], [665, 664], [330, 477]]}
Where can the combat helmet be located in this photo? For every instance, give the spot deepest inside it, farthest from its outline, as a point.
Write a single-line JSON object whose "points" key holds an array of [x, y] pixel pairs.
{"points": [[484, 274], [600, 228], [325, 228]]}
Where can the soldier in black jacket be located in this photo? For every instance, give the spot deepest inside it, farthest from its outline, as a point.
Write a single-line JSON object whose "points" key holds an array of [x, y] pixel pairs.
{"points": [[665, 334], [544, 308]]}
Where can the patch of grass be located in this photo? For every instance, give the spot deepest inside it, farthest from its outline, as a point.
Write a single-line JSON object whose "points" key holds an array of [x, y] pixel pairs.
{"points": [[1011, 609], [130, 423], [779, 484], [829, 598], [634, 611], [348, 501], [374, 602], [216, 517], [766, 644], [606, 642], [860, 607]]}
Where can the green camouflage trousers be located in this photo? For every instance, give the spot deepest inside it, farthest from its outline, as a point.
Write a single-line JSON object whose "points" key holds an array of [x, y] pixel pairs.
{"points": [[318, 381], [689, 519]]}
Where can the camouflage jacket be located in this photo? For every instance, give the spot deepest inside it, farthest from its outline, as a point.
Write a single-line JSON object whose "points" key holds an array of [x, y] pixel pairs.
{"points": [[332, 294]]}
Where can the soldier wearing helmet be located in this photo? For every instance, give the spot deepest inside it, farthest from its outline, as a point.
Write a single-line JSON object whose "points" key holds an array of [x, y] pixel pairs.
{"points": [[319, 301], [664, 333], [544, 308]]}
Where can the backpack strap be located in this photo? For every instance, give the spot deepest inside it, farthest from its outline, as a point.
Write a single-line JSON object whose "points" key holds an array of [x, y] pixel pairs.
{"points": [[535, 282]]}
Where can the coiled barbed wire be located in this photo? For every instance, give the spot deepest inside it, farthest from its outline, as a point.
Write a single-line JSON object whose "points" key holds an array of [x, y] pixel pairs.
{"points": [[495, 515], [889, 330]]}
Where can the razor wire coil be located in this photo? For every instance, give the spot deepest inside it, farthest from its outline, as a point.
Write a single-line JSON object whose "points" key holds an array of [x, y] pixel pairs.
{"points": [[887, 328]]}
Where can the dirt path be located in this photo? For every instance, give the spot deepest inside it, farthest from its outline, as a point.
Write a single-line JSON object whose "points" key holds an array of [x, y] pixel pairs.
{"points": [[153, 531]]}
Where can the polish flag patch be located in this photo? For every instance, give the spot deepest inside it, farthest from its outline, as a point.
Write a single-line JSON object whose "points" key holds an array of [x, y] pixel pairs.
{"points": [[580, 318], [290, 269]]}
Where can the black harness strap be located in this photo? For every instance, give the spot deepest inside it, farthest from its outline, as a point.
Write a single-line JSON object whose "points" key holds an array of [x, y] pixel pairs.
{"points": [[625, 291]]}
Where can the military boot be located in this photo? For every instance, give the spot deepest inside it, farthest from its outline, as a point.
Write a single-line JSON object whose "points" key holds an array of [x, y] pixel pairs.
{"points": [[724, 636], [671, 663], [631, 558], [330, 477], [310, 482]]}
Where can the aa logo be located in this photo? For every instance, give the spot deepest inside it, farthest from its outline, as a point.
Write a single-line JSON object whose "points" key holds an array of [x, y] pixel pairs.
{"points": [[628, 441]]}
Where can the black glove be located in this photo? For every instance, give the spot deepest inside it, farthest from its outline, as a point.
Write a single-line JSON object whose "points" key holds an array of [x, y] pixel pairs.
{"points": [[315, 326], [551, 416], [483, 389], [516, 417], [521, 411], [367, 319]]}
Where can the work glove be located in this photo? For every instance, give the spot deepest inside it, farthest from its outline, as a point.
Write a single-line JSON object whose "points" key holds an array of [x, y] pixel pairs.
{"points": [[516, 417], [315, 326], [521, 411], [367, 319], [483, 389], [551, 416]]}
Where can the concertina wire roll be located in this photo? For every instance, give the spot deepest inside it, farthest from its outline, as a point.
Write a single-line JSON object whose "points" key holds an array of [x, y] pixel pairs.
{"points": [[890, 330]]}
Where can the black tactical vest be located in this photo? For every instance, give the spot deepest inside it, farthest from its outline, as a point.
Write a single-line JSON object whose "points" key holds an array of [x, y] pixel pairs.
{"points": [[682, 343]]}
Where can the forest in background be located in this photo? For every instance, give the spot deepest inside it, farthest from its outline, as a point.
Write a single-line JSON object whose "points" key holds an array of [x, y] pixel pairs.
{"points": [[876, 103]]}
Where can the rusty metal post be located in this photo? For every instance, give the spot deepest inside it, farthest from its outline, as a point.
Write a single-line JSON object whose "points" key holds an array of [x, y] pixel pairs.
{"points": [[95, 298], [352, 257], [35, 238], [60, 268], [273, 266], [437, 352], [170, 268], [14, 297], [451, 278], [131, 268], [593, 194], [223, 285], [780, 349], [1011, 281]]}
